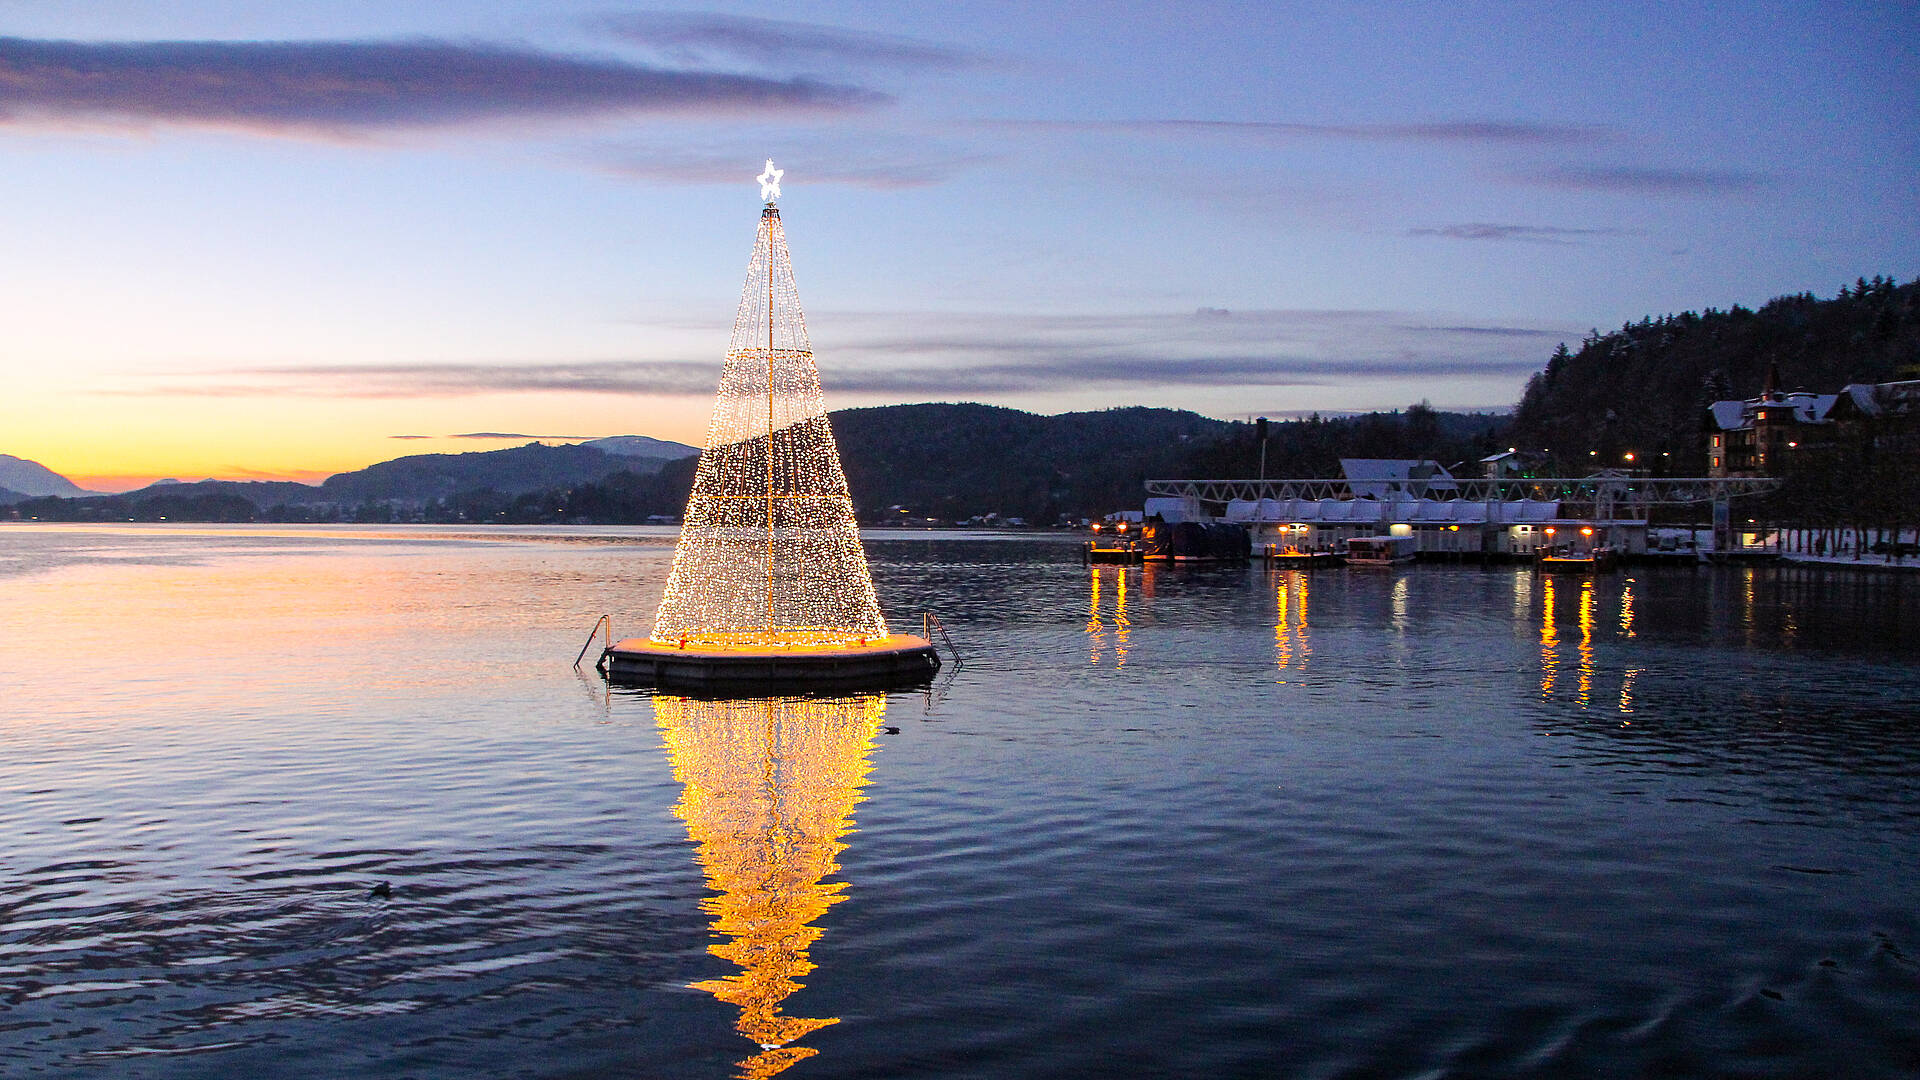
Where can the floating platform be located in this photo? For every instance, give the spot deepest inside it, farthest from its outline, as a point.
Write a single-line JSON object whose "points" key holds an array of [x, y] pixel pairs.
{"points": [[894, 660], [1295, 559], [1600, 560], [1126, 553]]}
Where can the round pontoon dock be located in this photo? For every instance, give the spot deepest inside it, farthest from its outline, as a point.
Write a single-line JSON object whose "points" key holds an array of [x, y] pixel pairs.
{"points": [[894, 660]]}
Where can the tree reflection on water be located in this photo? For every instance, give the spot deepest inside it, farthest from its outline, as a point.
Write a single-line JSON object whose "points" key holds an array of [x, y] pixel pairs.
{"points": [[768, 790]]}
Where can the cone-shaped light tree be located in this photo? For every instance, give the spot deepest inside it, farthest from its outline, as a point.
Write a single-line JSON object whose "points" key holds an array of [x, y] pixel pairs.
{"points": [[769, 554]]}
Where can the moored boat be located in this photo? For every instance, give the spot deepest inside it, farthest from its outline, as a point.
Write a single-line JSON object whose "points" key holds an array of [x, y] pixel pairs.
{"points": [[1569, 561], [1381, 550]]}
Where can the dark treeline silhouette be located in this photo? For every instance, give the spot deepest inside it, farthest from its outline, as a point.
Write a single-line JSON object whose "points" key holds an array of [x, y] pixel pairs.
{"points": [[1314, 446], [949, 462], [1644, 388], [188, 505]]}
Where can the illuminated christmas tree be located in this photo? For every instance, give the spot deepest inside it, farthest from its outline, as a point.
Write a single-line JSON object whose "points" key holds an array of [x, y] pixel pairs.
{"points": [[770, 554]]}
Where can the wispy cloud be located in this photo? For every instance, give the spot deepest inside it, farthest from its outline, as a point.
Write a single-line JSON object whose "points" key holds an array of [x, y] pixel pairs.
{"points": [[703, 37], [342, 88], [1477, 132], [1526, 234], [1642, 180], [895, 356], [496, 436]]}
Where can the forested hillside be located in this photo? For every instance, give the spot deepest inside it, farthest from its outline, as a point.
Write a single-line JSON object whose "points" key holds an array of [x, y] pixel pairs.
{"points": [[1314, 446], [945, 461], [957, 460], [1643, 388]]}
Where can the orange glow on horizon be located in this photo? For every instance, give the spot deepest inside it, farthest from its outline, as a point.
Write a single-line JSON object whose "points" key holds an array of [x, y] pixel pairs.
{"points": [[110, 443]]}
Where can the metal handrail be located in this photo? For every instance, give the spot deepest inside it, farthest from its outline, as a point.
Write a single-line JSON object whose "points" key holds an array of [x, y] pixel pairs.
{"points": [[1636, 491], [928, 624], [606, 621]]}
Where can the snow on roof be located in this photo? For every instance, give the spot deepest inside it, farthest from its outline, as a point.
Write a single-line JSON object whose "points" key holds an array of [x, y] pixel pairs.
{"points": [[1402, 511], [1728, 415], [1381, 477]]}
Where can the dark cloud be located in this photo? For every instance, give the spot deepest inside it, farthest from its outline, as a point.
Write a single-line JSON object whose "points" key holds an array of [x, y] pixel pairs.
{"points": [[698, 37], [462, 380], [343, 87], [500, 435], [1639, 180], [1064, 373], [893, 355], [1490, 331], [1526, 234], [1039, 374], [409, 436], [1480, 132]]}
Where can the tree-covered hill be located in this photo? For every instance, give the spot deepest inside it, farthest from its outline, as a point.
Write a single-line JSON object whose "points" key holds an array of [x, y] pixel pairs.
{"points": [[954, 461], [1643, 388], [532, 467], [1313, 447], [946, 461]]}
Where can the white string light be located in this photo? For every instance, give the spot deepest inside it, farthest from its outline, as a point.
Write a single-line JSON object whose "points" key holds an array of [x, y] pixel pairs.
{"points": [[769, 555]]}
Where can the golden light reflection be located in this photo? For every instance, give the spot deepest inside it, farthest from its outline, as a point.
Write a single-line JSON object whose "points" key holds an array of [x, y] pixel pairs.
{"points": [[1626, 608], [1584, 688], [769, 787], [1291, 646], [1096, 628], [1549, 639], [1097, 624], [1747, 604]]}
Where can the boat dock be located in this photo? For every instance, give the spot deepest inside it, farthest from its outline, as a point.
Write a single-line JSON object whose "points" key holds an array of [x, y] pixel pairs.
{"points": [[1443, 518]]}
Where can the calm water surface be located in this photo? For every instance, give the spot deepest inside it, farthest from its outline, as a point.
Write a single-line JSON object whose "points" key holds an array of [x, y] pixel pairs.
{"points": [[1163, 822]]}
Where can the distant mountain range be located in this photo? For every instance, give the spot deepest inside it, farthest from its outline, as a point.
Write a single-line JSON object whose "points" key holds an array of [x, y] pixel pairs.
{"points": [[643, 446], [20, 478], [904, 463], [415, 478]]}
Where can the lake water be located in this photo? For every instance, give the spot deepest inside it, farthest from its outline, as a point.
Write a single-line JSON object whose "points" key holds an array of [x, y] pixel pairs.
{"points": [[1443, 821]]}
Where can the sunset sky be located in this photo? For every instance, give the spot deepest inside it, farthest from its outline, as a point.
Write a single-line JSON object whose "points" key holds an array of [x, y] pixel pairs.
{"points": [[266, 239]]}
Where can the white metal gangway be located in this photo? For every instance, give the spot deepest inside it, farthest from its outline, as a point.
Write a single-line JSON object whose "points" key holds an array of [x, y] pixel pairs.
{"points": [[1619, 493]]}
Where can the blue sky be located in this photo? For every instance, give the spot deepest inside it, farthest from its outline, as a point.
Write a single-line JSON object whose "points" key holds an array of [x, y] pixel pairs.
{"points": [[262, 239]]}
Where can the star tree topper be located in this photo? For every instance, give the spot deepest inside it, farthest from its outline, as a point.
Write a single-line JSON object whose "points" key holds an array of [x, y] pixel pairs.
{"points": [[770, 183]]}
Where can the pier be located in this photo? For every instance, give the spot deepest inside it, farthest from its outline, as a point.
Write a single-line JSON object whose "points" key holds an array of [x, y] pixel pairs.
{"points": [[1478, 519]]}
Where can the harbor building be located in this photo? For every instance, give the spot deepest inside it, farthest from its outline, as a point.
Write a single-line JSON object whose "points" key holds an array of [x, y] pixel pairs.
{"points": [[1463, 518]]}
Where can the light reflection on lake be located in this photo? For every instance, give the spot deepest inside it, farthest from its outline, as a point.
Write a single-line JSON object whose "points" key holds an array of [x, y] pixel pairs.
{"points": [[1166, 820]]}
